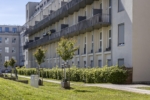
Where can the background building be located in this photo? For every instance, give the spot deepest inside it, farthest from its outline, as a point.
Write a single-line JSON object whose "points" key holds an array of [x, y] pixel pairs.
{"points": [[9, 43]]}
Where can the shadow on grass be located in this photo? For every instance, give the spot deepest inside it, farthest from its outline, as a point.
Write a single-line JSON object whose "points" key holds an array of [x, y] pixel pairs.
{"points": [[83, 91]]}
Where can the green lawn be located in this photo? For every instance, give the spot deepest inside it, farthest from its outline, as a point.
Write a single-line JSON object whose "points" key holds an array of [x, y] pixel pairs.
{"points": [[11, 90]]}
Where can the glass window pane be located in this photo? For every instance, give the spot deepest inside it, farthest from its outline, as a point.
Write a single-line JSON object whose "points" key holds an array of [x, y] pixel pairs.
{"points": [[121, 34], [109, 62], [120, 6], [120, 62]]}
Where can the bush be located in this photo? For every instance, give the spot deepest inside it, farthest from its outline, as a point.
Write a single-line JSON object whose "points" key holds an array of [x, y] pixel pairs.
{"points": [[106, 74]]}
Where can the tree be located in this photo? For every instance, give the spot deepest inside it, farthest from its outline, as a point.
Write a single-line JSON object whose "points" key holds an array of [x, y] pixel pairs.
{"points": [[6, 64], [12, 63], [39, 55], [66, 49]]}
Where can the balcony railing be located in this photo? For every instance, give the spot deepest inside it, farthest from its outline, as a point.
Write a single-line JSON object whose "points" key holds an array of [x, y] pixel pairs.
{"points": [[55, 16], [94, 22]]}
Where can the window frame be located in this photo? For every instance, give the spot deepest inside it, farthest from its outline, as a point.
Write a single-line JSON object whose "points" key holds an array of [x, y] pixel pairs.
{"points": [[121, 44]]}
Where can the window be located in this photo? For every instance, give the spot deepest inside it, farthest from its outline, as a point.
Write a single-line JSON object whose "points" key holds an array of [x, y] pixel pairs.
{"points": [[78, 64], [27, 14], [121, 34], [6, 40], [14, 57], [101, 6], [6, 29], [13, 50], [6, 58], [92, 63], [0, 49], [109, 3], [85, 46], [84, 64], [120, 62], [100, 63], [92, 46], [109, 62], [0, 39], [120, 6], [109, 38], [13, 40], [100, 43], [14, 30], [7, 49], [0, 29]]}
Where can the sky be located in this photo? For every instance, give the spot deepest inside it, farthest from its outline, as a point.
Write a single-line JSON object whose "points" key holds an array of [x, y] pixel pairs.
{"points": [[12, 12]]}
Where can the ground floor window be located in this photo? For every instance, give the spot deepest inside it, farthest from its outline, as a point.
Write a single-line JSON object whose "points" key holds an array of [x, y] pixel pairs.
{"points": [[100, 63], [109, 62], [120, 62]]}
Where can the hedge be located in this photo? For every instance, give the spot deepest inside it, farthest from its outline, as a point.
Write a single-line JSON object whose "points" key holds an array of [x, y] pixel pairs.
{"points": [[114, 74]]}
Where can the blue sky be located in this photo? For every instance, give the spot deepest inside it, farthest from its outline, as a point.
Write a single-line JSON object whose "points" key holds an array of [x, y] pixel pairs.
{"points": [[12, 12]]}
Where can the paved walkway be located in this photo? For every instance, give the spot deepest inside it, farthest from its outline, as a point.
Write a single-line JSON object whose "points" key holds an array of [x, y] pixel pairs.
{"points": [[128, 88], [51, 81]]}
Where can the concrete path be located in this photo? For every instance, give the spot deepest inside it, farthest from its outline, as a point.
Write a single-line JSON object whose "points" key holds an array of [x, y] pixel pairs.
{"points": [[128, 88], [51, 81]]}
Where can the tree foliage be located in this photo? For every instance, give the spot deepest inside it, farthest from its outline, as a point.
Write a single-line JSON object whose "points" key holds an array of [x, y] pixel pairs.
{"points": [[39, 55], [12, 62], [6, 64], [66, 49]]}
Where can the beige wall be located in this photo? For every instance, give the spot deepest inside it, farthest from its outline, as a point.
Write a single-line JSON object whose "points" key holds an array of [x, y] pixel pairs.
{"points": [[52, 58], [141, 40]]}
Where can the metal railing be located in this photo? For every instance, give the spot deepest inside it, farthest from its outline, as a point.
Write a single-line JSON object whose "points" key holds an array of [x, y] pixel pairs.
{"points": [[98, 20], [65, 10]]}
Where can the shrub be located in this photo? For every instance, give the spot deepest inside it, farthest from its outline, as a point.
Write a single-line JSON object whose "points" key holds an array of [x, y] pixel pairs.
{"points": [[106, 74]]}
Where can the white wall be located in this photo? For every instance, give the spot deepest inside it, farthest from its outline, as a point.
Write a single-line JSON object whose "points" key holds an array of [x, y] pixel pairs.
{"points": [[118, 18]]}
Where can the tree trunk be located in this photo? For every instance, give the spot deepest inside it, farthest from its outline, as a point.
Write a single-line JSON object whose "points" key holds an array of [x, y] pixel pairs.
{"points": [[65, 70], [39, 71], [11, 71], [42, 76]]}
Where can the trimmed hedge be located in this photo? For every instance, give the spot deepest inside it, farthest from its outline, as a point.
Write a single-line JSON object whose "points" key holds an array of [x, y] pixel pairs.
{"points": [[114, 74]]}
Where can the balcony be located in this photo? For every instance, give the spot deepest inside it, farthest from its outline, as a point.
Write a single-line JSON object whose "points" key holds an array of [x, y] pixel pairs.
{"points": [[87, 25], [68, 8], [81, 18]]}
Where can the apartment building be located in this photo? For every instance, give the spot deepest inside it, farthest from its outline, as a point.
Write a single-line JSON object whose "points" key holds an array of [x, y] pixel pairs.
{"points": [[9, 43], [108, 32]]}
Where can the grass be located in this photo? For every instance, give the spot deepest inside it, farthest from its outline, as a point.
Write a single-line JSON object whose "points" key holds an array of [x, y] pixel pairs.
{"points": [[11, 90]]}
